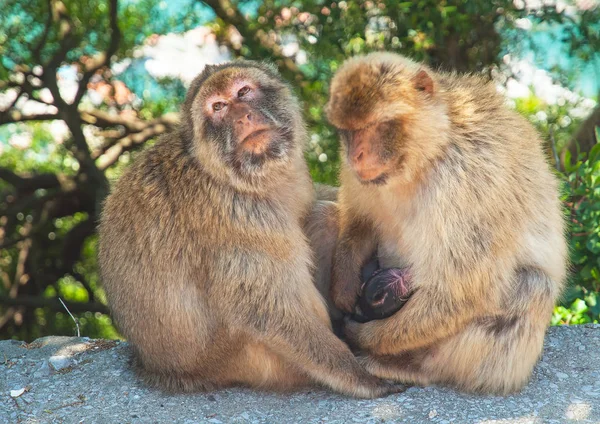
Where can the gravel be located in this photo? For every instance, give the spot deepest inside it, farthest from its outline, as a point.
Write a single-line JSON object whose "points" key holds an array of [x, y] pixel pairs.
{"points": [[73, 380]]}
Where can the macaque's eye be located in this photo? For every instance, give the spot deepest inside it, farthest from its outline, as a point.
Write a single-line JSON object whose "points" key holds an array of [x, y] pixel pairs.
{"points": [[217, 106], [243, 91]]}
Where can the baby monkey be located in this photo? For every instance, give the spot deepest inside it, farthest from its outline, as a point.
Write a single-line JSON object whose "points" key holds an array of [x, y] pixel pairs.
{"points": [[203, 254], [383, 292]]}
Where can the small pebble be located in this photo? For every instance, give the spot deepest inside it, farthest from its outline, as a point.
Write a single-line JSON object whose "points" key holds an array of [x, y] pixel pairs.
{"points": [[17, 393], [60, 362], [43, 370], [562, 375]]}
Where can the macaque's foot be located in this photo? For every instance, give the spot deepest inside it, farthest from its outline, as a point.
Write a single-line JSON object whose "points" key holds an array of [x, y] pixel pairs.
{"points": [[382, 294]]}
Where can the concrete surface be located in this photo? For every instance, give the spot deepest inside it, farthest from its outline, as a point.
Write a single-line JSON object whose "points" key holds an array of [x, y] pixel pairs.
{"points": [[71, 380]]}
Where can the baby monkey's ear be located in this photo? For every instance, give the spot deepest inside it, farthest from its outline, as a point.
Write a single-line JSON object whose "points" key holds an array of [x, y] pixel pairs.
{"points": [[423, 82]]}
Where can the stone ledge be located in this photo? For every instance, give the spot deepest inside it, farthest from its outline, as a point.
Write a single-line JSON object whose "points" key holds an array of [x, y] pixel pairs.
{"points": [[72, 380]]}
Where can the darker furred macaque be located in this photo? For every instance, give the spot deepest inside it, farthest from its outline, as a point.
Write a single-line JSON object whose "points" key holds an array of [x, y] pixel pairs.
{"points": [[440, 177], [202, 253]]}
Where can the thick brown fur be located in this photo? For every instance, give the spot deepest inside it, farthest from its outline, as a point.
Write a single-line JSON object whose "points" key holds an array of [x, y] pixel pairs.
{"points": [[204, 261], [468, 202]]}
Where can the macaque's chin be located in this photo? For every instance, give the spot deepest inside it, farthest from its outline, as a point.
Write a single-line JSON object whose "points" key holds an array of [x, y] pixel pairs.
{"points": [[382, 172], [375, 177], [254, 154]]}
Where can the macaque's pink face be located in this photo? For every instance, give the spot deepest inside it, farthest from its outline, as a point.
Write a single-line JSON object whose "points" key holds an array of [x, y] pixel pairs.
{"points": [[371, 150], [372, 103], [244, 113], [252, 130]]}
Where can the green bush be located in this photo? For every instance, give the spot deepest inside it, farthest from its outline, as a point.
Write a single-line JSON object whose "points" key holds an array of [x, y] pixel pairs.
{"points": [[581, 302]]}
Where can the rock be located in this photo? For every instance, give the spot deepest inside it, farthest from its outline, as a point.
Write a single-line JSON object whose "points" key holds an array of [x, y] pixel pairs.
{"points": [[43, 370], [562, 375], [17, 393], [60, 362], [103, 389]]}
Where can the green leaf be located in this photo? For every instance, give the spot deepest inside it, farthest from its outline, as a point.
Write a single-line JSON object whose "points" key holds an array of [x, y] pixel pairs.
{"points": [[569, 167], [596, 149]]}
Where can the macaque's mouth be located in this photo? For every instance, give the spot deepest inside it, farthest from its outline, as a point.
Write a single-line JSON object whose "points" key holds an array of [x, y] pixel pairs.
{"points": [[257, 141], [261, 132]]}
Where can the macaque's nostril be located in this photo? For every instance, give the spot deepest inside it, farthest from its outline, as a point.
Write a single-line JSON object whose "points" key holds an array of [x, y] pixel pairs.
{"points": [[246, 119]]}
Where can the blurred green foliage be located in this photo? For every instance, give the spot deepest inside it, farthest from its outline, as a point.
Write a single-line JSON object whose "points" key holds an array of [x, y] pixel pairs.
{"points": [[37, 227], [581, 198], [581, 302]]}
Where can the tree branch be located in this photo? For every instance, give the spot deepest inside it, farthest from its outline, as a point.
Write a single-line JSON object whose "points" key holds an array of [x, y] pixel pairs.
{"points": [[67, 42], [229, 13], [103, 59], [131, 142], [37, 50], [10, 243], [137, 132], [29, 183], [103, 119], [10, 117], [52, 303]]}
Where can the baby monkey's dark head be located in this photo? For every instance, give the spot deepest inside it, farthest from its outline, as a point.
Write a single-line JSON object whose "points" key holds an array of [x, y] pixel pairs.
{"points": [[243, 121], [387, 110]]}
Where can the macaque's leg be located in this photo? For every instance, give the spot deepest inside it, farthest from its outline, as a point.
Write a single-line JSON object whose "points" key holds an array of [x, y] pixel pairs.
{"points": [[257, 366]]}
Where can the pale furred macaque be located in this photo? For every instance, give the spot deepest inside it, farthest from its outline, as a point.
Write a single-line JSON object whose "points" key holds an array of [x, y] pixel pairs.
{"points": [[202, 253], [441, 179]]}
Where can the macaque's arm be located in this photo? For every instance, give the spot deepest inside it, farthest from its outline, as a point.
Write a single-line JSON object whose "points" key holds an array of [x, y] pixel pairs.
{"points": [[356, 244], [426, 318]]}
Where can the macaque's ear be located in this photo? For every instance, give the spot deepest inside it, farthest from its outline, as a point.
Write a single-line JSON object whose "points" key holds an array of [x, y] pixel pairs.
{"points": [[423, 82]]}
